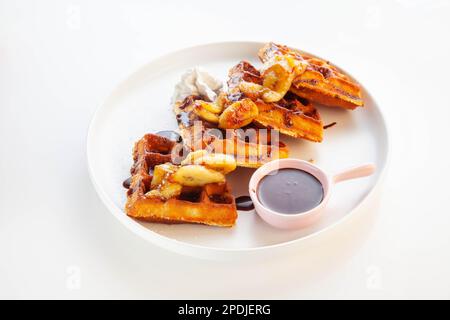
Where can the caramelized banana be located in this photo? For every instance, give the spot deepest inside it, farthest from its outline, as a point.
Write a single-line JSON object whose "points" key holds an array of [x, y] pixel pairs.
{"points": [[196, 176], [222, 100], [161, 172], [170, 190], [251, 89], [278, 74], [205, 114], [217, 161], [271, 96], [193, 156], [255, 91], [211, 107], [238, 114], [166, 191], [220, 162]]}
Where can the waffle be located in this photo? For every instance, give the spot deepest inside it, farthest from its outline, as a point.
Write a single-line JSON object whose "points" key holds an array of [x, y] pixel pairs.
{"points": [[250, 146], [211, 204], [291, 115], [320, 82]]}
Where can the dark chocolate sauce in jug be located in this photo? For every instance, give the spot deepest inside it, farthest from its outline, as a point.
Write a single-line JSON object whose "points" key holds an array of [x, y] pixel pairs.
{"points": [[290, 190]]}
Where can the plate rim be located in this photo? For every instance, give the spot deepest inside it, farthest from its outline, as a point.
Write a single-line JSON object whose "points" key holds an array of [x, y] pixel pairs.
{"points": [[186, 248]]}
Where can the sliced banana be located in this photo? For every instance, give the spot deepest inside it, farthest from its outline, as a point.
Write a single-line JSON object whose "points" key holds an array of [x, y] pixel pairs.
{"points": [[251, 90], [193, 156], [222, 100], [276, 78], [166, 191], [196, 176], [170, 190], [255, 91], [161, 172], [211, 107], [238, 114], [272, 96], [205, 114], [278, 75], [223, 163]]}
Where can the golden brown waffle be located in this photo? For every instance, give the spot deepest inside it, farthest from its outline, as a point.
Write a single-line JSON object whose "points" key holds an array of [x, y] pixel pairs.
{"points": [[320, 82], [291, 115], [211, 204], [250, 146]]}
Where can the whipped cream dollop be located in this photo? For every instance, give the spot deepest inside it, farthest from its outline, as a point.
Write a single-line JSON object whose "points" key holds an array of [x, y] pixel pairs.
{"points": [[197, 81]]}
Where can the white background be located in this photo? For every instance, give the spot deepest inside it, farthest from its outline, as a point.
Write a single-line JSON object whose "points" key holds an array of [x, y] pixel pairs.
{"points": [[60, 59]]}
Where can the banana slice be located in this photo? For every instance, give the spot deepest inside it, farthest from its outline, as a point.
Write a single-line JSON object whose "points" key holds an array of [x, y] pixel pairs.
{"points": [[255, 91], [202, 109], [161, 172], [278, 75], [196, 176], [272, 96], [193, 156], [211, 107], [238, 114], [166, 191], [170, 190], [251, 90], [220, 162], [276, 78], [222, 100]]}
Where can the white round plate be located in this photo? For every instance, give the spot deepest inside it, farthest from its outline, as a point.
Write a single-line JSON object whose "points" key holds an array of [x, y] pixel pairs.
{"points": [[141, 104]]}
